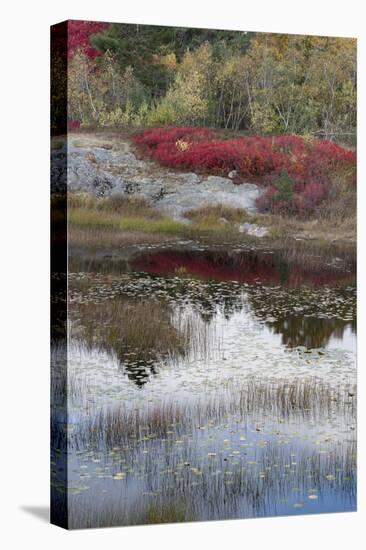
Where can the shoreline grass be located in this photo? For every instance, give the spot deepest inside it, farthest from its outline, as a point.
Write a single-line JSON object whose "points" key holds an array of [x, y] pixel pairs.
{"points": [[84, 217], [88, 242], [92, 230]]}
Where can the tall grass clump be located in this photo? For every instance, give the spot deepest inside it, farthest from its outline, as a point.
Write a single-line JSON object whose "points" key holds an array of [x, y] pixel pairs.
{"points": [[119, 213], [212, 214], [142, 328]]}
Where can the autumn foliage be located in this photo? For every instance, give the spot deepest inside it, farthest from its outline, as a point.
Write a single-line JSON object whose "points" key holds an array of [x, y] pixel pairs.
{"points": [[311, 165], [79, 33], [73, 124]]}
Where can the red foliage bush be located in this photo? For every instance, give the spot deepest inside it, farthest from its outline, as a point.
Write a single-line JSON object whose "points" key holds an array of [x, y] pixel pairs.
{"points": [[302, 202], [79, 33], [311, 164], [152, 137], [73, 124], [313, 194]]}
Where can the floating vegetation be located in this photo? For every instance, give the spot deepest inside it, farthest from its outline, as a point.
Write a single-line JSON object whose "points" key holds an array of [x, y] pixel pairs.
{"points": [[260, 481], [269, 304]]}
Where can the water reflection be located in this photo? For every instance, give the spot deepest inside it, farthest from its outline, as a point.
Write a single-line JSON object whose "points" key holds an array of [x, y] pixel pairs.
{"points": [[187, 330], [310, 332], [146, 319], [139, 332], [206, 385], [246, 266], [214, 461]]}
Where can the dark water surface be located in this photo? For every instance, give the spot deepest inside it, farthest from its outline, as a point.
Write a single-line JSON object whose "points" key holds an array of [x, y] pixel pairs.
{"points": [[206, 384]]}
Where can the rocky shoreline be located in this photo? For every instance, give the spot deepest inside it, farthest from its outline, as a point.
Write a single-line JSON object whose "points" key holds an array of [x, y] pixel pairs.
{"points": [[106, 168]]}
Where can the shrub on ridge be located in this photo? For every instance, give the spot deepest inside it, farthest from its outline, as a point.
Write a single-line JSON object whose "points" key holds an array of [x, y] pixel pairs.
{"points": [[310, 164]]}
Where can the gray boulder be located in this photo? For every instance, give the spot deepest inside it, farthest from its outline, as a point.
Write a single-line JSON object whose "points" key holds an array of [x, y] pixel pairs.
{"points": [[117, 172], [253, 229]]}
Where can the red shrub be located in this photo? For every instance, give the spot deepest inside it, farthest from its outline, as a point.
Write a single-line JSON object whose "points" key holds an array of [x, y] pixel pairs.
{"points": [[79, 33], [313, 194], [311, 165], [73, 124], [152, 137], [266, 200]]}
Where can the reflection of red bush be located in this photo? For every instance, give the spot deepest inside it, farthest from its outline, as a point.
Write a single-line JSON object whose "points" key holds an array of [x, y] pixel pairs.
{"points": [[310, 164], [244, 268], [209, 266]]}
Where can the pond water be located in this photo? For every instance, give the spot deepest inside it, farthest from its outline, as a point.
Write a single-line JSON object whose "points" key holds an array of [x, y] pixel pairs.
{"points": [[206, 384]]}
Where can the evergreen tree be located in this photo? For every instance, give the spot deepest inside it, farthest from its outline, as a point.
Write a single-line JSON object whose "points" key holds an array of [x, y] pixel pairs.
{"points": [[284, 186]]}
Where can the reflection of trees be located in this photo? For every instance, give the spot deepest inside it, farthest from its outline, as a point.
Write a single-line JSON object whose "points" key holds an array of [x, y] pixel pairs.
{"points": [[137, 326], [313, 329], [207, 298], [138, 371], [250, 266], [311, 332], [139, 332]]}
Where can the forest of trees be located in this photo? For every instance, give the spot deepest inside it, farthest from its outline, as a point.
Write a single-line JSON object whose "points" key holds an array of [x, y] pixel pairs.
{"points": [[138, 75]]}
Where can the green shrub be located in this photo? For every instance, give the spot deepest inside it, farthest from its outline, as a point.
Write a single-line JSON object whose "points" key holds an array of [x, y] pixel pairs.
{"points": [[285, 187]]}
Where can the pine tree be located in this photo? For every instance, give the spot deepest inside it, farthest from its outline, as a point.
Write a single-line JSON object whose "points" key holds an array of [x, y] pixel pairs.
{"points": [[284, 186]]}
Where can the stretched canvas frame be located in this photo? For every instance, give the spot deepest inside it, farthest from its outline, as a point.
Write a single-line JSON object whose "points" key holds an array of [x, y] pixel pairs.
{"points": [[203, 348]]}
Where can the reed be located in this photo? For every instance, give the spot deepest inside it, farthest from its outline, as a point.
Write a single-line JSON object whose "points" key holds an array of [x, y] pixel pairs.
{"points": [[179, 488], [308, 399], [142, 328]]}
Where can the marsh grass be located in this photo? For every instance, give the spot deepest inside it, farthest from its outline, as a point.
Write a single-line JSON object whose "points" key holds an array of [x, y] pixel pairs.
{"points": [[336, 222], [89, 225], [310, 399], [319, 255], [182, 486], [141, 328], [212, 214], [104, 222], [123, 205], [130, 222], [65, 385], [167, 512], [85, 237], [134, 214], [160, 510], [342, 207]]}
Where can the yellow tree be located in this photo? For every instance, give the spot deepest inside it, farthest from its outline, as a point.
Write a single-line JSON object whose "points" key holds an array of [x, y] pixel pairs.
{"points": [[333, 77]]}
